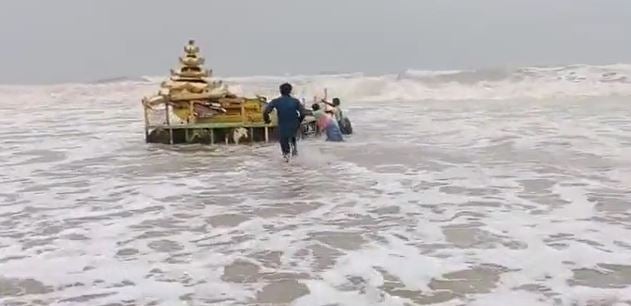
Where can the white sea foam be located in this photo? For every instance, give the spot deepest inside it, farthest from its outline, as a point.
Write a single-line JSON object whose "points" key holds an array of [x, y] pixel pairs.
{"points": [[521, 201], [412, 85], [415, 85]]}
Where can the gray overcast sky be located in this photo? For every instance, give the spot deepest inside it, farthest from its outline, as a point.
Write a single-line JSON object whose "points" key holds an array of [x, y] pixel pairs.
{"points": [[51, 41]]}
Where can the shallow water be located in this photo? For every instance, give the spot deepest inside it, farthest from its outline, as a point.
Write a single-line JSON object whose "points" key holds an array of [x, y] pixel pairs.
{"points": [[470, 202]]}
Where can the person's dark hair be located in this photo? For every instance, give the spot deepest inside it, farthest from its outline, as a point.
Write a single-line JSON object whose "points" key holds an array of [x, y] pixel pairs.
{"points": [[315, 106], [336, 101], [285, 89]]}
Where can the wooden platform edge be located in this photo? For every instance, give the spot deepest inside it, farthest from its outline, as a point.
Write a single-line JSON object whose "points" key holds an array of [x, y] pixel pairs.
{"points": [[227, 125]]}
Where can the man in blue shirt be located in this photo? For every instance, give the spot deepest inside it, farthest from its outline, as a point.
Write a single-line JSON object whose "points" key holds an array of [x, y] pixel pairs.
{"points": [[290, 113]]}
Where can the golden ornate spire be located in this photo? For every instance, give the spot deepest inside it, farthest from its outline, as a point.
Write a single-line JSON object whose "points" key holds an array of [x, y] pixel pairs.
{"points": [[193, 97], [191, 66], [191, 48], [190, 80]]}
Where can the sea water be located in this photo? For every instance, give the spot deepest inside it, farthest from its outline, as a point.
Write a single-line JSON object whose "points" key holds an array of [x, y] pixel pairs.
{"points": [[457, 188]]}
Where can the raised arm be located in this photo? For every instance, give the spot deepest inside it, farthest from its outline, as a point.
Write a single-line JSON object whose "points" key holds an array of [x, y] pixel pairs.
{"points": [[327, 102]]}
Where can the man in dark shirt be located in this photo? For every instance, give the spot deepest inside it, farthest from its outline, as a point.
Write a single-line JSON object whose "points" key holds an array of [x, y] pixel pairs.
{"points": [[290, 113]]}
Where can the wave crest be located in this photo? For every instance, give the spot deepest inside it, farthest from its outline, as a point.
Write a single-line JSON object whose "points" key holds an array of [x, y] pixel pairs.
{"points": [[496, 84], [414, 85]]}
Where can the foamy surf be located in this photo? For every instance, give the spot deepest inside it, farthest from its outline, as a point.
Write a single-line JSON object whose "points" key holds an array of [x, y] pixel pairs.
{"points": [[517, 201], [411, 85], [495, 84]]}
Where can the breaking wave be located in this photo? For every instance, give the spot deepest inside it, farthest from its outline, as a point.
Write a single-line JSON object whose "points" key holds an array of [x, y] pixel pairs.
{"points": [[122, 79], [414, 85], [496, 84]]}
